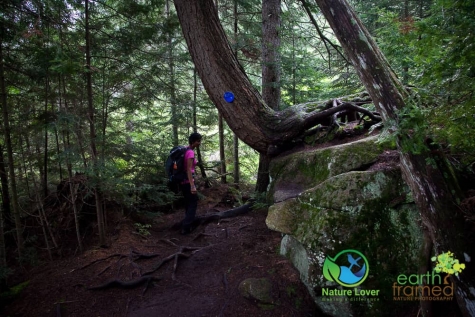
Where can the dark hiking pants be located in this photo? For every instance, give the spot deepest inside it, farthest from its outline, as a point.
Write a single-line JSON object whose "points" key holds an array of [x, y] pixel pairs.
{"points": [[191, 203]]}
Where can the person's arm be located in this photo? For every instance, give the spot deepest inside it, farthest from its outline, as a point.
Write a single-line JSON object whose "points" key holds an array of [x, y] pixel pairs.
{"points": [[189, 163]]}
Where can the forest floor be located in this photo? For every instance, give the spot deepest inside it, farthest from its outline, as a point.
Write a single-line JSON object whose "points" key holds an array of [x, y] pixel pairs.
{"points": [[202, 281]]}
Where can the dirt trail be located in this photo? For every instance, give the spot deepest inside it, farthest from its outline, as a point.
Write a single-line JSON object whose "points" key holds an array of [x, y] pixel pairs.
{"points": [[202, 282]]}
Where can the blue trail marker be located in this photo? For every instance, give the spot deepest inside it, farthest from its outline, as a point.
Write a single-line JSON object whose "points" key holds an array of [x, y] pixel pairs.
{"points": [[228, 96]]}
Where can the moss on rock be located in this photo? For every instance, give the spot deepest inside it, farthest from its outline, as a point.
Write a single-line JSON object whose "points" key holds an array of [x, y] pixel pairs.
{"points": [[297, 172], [259, 289], [342, 208]]}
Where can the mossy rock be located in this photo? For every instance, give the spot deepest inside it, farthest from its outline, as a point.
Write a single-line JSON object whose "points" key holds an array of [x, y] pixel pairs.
{"points": [[258, 289], [294, 173], [369, 211]]}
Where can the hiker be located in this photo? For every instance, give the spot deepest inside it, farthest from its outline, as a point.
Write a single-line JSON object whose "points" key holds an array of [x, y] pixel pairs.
{"points": [[188, 186]]}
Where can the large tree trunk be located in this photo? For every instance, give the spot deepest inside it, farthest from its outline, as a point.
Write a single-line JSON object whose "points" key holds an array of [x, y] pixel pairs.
{"points": [[254, 122], [271, 53], [222, 154], [236, 171], [219, 71], [432, 185], [270, 75]]}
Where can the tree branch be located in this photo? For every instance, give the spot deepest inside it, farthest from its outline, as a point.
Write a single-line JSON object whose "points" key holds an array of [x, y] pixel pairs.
{"points": [[324, 39]]}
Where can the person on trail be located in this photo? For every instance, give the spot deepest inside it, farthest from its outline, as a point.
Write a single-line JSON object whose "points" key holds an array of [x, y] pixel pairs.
{"points": [[188, 186]]}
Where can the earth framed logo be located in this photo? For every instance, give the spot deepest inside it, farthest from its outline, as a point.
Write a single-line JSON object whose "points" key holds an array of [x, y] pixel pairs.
{"points": [[346, 276]]}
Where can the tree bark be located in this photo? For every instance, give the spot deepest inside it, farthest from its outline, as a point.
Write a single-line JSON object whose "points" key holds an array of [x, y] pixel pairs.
{"points": [[270, 75], [270, 53], [236, 171], [222, 154], [263, 178]]}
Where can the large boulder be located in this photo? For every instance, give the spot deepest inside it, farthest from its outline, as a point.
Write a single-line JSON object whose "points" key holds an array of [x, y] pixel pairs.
{"points": [[334, 204], [294, 173]]}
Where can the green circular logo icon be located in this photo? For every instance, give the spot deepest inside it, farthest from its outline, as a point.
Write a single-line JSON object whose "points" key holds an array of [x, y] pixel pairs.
{"points": [[349, 268]]}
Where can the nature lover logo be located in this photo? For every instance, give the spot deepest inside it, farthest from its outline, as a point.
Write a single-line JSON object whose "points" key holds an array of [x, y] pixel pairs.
{"points": [[348, 276], [349, 268]]}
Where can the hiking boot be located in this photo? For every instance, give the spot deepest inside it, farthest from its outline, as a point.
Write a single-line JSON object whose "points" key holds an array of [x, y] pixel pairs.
{"points": [[185, 231], [188, 230]]}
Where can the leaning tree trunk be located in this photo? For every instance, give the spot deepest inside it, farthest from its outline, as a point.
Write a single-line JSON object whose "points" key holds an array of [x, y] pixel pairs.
{"points": [[254, 122], [428, 176]]}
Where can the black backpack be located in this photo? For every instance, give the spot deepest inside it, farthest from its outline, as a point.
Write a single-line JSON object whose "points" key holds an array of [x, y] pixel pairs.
{"points": [[175, 165]]}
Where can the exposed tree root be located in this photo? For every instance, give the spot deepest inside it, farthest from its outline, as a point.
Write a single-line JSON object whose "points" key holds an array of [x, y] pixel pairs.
{"points": [[174, 257], [182, 252], [124, 284], [134, 255]]}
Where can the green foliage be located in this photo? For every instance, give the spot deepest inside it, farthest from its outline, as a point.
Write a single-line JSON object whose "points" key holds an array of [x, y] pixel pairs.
{"points": [[396, 37], [412, 129], [310, 69], [446, 263], [143, 229], [12, 293], [446, 59], [431, 47], [260, 200], [446, 44], [237, 194]]}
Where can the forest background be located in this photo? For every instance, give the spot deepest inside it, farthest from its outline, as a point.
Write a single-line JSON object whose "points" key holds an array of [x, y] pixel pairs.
{"points": [[101, 90]]}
